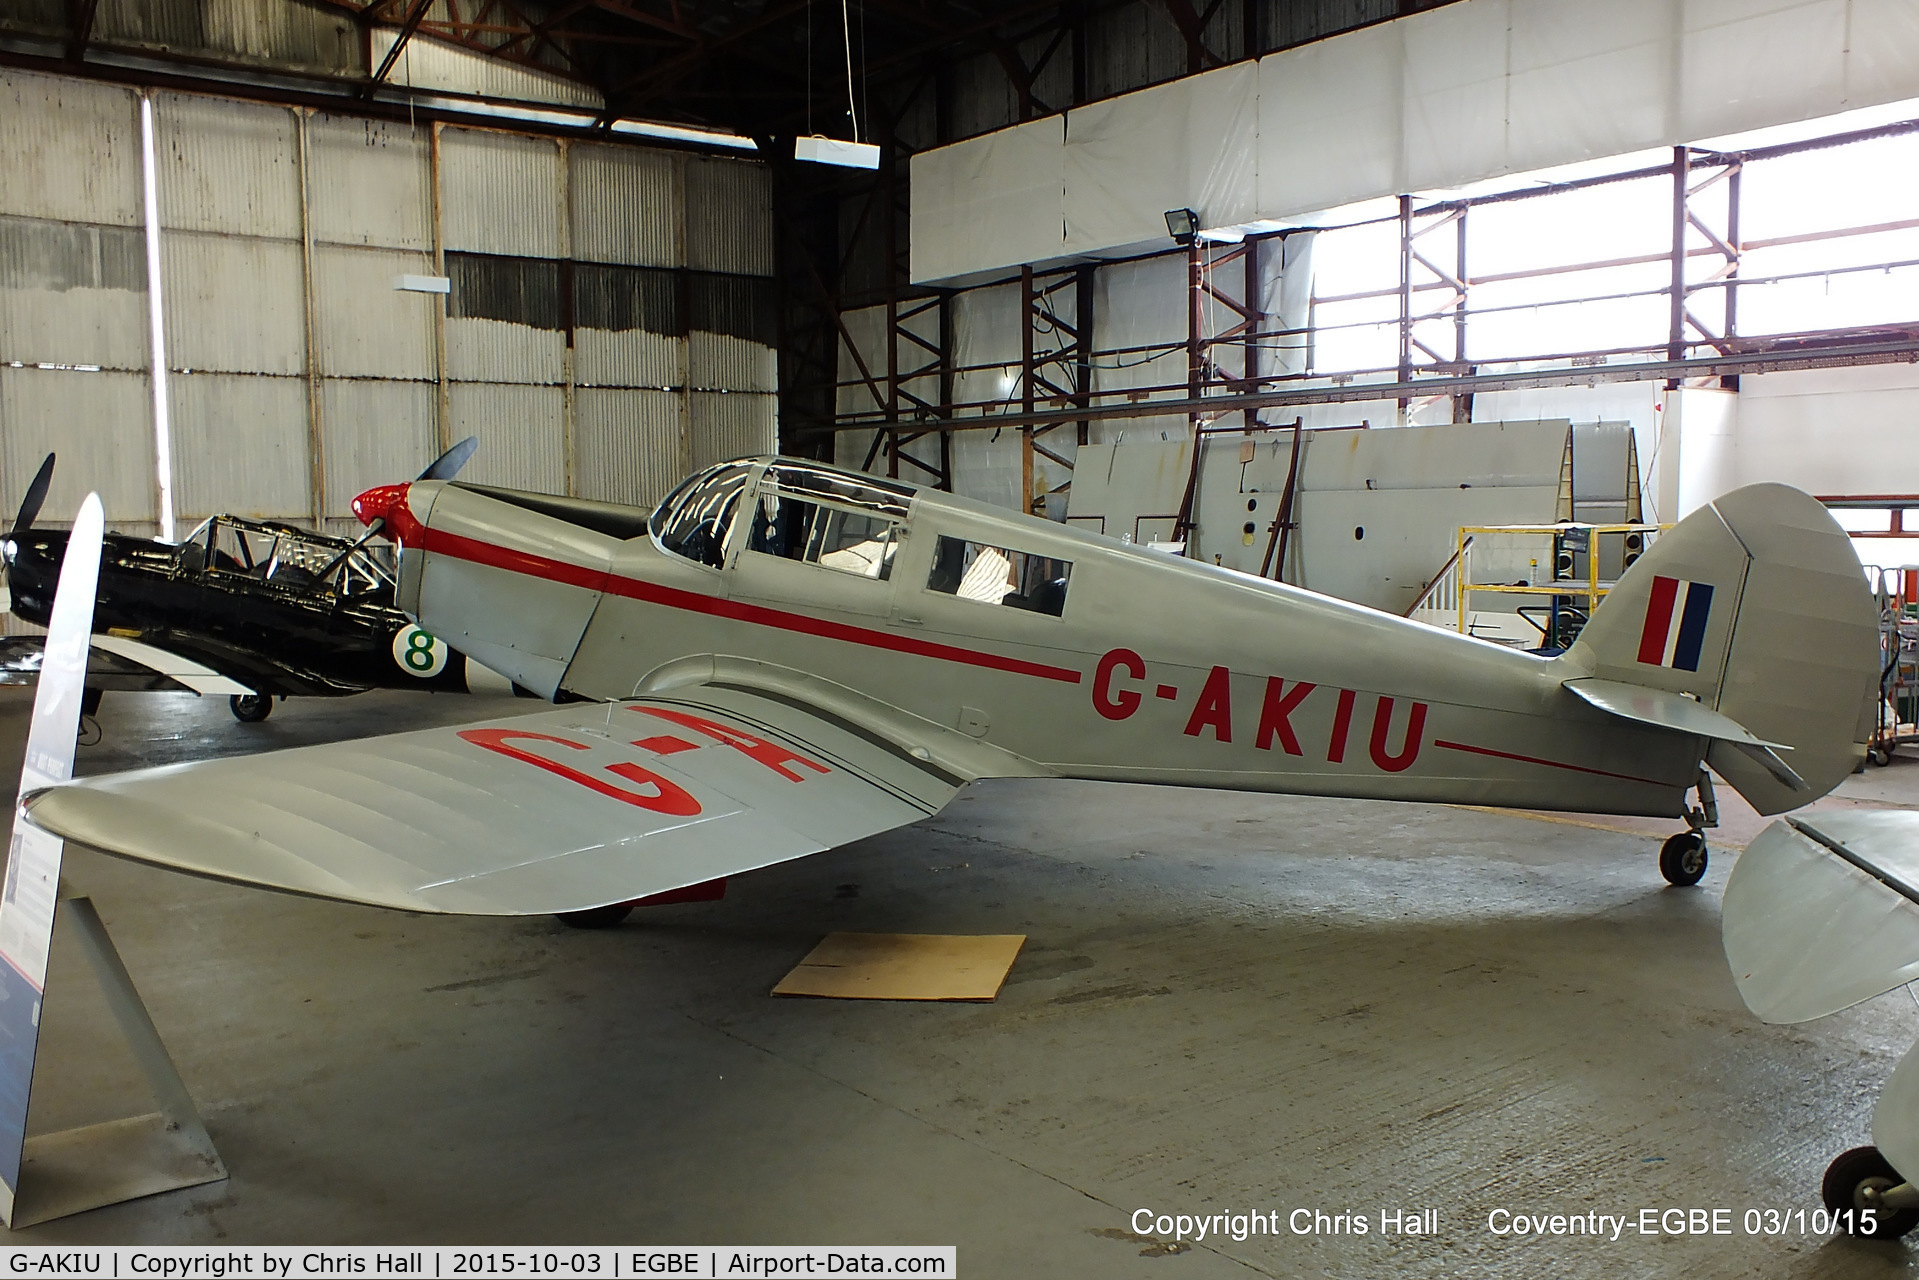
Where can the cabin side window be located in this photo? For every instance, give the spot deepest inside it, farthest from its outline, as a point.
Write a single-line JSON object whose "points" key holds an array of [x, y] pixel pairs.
{"points": [[694, 520], [998, 575], [861, 543]]}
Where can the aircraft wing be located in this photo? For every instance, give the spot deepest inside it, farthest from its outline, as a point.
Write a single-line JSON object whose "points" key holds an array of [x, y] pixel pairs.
{"points": [[560, 811], [182, 672], [1822, 911], [119, 665]]}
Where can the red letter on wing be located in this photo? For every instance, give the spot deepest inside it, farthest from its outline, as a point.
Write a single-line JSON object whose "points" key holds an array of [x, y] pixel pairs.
{"points": [[771, 754], [1117, 706], [668, 797]]}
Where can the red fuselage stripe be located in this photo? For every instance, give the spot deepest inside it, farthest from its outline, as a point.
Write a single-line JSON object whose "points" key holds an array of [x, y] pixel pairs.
{"points": [[1550, 764], [463, 548]]}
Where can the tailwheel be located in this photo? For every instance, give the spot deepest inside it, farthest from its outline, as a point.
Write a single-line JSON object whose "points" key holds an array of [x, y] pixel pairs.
{"points": [[1855, 1189], [250, 708], [597, 917], [1682, 859]]}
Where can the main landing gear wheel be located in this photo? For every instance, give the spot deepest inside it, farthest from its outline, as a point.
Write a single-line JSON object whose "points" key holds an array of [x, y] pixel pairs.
{"points": [[1855, 1182], [1682, 859], [597, 917], [250, 708]]}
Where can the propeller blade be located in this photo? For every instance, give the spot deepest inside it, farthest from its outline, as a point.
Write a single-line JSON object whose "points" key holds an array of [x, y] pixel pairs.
{"points": [[36, 496], [448, 464]]}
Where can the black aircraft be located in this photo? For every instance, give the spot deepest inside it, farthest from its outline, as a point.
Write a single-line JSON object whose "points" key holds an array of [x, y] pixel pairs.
{"points": [[255, 609]]}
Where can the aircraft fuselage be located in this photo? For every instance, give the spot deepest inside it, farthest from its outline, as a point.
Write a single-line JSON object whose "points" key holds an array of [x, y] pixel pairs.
{"points": [[1151, 669]]}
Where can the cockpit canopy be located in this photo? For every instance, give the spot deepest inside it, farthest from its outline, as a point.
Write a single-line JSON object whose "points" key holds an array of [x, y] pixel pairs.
{"points": [[800, 511], [283, 555]]}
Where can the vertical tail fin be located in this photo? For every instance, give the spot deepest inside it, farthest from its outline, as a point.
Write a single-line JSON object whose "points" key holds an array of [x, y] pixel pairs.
{"points": [[1756, 606]]}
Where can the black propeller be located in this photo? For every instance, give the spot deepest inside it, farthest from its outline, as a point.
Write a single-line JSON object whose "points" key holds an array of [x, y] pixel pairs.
{"points": [[444, 467], [448, 464], [35, 499], [29, 512]]}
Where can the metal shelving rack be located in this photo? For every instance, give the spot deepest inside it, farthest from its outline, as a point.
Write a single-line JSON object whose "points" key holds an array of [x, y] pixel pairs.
{"points": [[1895, 725]]}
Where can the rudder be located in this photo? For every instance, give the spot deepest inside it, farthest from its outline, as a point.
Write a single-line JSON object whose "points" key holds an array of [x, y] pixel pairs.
{"points": [[1754, 604]]}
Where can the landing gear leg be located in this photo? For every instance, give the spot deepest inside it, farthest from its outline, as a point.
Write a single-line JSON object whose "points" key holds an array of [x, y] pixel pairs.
{"points": [[1682, 859]]}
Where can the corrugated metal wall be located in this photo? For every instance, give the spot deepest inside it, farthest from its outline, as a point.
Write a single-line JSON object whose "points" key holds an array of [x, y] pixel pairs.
{"points": [[376, 359], [629, 443], [610, 323], [228, 180], [307, 37], [503, 207], [74, 363]]}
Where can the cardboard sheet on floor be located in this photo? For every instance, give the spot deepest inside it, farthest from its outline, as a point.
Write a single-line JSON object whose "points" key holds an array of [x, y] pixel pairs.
{"points": [[904, 966]]}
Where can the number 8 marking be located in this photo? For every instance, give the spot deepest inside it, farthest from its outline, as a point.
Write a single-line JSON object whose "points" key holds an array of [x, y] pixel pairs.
{"points": [[419, 652]]}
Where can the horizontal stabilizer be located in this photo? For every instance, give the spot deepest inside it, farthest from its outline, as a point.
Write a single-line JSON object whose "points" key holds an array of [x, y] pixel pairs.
{"points": [[586, 806], [1822, 912], [1664, 710], [1667, 710]]}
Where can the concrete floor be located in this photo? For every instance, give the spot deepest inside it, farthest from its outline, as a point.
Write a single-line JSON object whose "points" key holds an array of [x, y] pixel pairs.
{"points": [[1227, 1003]]}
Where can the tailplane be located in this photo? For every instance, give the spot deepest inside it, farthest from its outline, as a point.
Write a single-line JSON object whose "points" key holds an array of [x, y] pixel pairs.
{"points": [[1755, 607]]}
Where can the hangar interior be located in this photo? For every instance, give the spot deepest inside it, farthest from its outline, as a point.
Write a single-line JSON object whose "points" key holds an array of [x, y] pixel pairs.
{"points": [[1332, 293]]}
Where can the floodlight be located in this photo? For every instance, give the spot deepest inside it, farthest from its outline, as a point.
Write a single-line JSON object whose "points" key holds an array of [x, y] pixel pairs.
{"points": [[1182, 225]]}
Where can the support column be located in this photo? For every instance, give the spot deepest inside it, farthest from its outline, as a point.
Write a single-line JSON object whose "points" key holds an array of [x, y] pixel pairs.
{"points": [[316, 440], [1083, 321], [1676, 337], [569, 416], [442, 392], [1405, 298], [1252, 317], [1026, 372]]}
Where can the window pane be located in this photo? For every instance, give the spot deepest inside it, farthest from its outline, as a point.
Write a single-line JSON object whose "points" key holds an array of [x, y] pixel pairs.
{"points": [[849, 541], [995, 575], [694, 519], [1863, 519], [853, 543]]}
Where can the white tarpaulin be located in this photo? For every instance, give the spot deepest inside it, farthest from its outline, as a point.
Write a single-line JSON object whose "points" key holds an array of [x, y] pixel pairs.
{"points": [[992, 200], [1204, 130], [1461, 93]]}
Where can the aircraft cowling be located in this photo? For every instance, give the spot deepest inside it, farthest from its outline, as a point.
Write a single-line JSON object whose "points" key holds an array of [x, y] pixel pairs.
{"points": [[33, 566], [512, 588]]}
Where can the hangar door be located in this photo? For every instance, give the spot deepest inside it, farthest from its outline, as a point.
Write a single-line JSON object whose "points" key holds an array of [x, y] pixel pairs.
{"points": [[609, 323]]}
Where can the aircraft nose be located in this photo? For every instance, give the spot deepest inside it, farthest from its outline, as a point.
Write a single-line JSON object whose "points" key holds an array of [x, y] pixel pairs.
{"points": [[380, 502]]}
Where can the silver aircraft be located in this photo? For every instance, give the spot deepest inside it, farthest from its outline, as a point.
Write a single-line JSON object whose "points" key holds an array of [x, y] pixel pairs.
{"points": [[785, 656]]}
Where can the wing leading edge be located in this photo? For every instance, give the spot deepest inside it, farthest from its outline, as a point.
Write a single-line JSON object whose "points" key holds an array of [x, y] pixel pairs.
{"points": [[533, 815]]}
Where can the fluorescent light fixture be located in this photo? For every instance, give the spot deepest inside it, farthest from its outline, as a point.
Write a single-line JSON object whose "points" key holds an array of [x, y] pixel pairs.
{"points": [[570, 118], [1182, 225], [423, 284], [848, 155], [685, 133], [558, 116]]}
